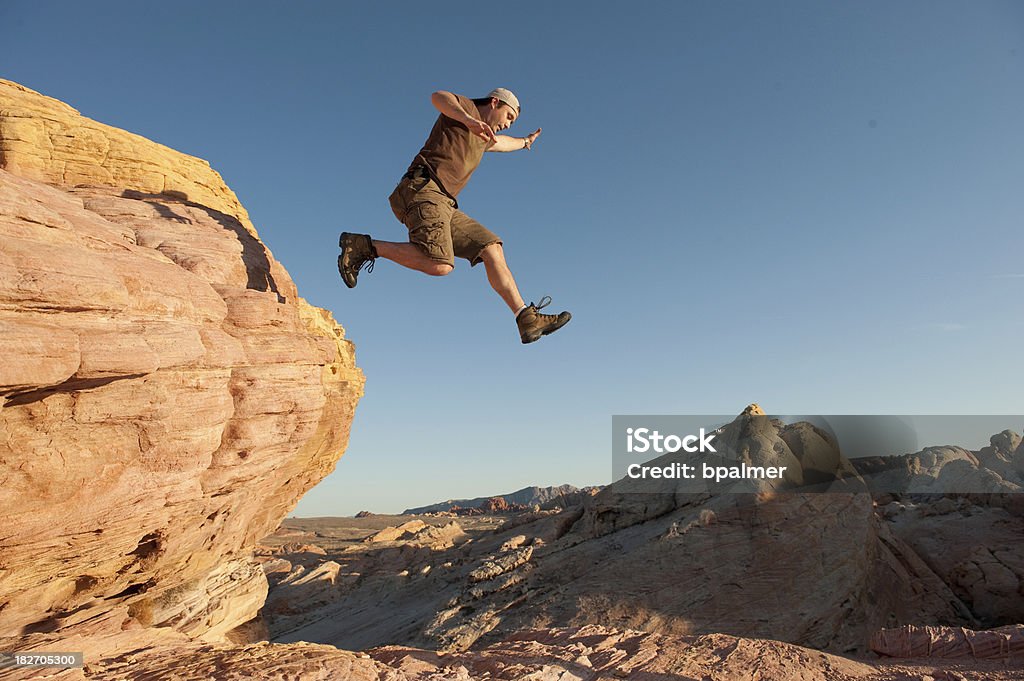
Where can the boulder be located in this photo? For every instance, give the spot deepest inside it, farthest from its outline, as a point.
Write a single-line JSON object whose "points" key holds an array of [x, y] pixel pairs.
{"points": [[167, 397]]}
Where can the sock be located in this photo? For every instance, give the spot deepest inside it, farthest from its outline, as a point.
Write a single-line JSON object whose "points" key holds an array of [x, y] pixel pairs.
{"points": [[520, 310]]}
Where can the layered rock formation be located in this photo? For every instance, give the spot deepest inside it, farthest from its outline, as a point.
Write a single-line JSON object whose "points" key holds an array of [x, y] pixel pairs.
{"points": [[949, 642], [822, 570], [167, 395], [825, 570], [817, 569], [949, 469], [962, 511]]}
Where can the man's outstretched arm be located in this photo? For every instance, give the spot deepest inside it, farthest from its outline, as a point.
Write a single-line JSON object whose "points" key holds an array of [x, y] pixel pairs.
{"points": [[506, 143]]}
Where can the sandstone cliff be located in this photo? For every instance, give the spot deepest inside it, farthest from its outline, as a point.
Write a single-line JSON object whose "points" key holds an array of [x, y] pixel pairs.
{"points": [[167, 397]]}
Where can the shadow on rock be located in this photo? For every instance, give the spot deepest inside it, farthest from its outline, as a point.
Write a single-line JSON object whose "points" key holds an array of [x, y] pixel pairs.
{"points": [[254, 254]]}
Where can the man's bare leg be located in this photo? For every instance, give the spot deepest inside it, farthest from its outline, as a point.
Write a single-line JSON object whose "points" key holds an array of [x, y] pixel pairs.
{"points": [[500, 277], [532, 324], [409, 255]]}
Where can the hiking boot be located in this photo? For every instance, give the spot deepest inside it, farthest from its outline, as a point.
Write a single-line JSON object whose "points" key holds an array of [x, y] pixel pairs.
{"points": [[356, 251], [532, 324]]}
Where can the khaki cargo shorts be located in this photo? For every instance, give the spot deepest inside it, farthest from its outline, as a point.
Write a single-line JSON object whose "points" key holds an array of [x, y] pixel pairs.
{"points": [[441, 230]]}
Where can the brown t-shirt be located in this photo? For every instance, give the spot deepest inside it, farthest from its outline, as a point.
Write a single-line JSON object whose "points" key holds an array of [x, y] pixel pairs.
{"points": [[451, 153]]}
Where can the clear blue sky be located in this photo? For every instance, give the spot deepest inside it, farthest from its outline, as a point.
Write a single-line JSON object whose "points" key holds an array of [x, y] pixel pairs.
{"points": [[812, 205]]}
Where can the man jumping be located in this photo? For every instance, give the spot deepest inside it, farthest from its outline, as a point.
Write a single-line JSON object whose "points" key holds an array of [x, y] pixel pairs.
{"points": [[425, 202]]}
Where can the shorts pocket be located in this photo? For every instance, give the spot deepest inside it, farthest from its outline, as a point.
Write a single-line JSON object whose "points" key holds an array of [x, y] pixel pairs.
{"points": [[431, 238], [428, 211]]}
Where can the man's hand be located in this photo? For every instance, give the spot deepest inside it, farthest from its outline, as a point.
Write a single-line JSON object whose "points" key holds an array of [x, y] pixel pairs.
{"points": [[531, 138], [481, 130]]}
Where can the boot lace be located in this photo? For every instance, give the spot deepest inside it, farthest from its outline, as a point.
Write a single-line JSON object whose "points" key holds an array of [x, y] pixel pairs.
{"points": [[544, 302], [367, 261]]}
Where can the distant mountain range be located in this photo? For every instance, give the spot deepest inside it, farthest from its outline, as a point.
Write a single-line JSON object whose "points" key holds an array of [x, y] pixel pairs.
{"points": [[528, 496]]}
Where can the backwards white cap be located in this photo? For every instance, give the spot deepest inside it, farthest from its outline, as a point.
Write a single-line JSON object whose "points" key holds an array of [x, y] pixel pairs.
{"points": [[506, 96]]}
